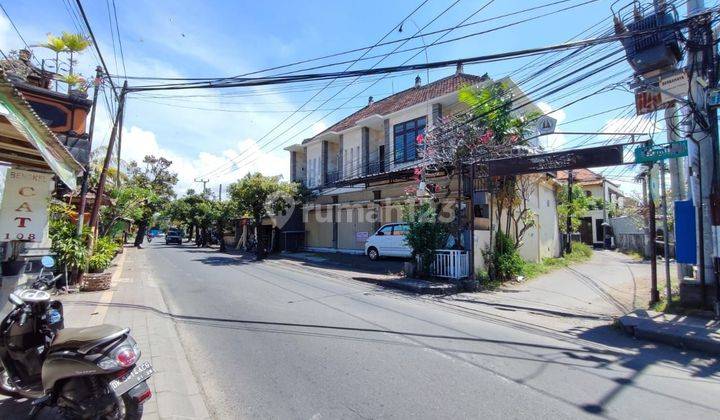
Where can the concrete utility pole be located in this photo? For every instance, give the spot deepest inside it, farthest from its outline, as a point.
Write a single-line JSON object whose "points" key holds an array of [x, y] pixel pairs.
{"points": [[220, 193], [703, 160], [204, 182], [654, 294], [666, 244], [676, 169]]}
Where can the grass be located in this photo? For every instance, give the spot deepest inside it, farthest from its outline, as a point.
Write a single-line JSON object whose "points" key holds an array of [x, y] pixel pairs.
{"points": [[580, 253]]}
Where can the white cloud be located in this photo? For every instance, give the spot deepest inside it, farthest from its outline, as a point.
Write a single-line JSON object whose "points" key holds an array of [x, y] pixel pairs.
{"points": [[228, 166], [635, 124], [318, 127]]}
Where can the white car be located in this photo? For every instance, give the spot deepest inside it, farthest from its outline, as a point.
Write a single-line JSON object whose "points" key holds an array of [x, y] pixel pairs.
{"points": [[388, 241]]}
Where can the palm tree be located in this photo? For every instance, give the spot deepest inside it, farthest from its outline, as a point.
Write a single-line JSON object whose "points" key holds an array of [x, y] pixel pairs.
{"points": [[56, 45], [74, 43]]}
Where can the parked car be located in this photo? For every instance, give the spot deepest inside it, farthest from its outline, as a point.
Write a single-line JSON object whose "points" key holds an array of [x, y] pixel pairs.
{"points": [[388, 241], [173, 236]]}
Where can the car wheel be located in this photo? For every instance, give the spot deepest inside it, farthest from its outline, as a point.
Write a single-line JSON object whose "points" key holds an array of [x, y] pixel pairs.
{"points": [[373, 254]]}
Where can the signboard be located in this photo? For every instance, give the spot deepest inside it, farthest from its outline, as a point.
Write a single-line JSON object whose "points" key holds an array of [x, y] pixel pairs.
{"points": [[23, 215], [545, 125], [647, 101], [677, 85], [361, 236], [714, 97], [654, 152], [570, 159]]}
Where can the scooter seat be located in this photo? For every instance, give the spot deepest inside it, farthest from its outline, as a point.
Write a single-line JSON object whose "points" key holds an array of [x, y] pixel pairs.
{"points": [[86, 338]]}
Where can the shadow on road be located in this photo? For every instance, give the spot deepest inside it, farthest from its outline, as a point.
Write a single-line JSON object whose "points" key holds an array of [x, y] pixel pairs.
{"points": [[14, 409]]}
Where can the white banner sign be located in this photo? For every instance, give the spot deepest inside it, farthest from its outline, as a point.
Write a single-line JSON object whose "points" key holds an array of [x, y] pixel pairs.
{"points": [[676, 85], [23, 215]]}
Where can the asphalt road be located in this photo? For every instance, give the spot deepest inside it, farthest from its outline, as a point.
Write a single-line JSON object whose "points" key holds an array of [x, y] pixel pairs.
{"points": [[273, 340]]}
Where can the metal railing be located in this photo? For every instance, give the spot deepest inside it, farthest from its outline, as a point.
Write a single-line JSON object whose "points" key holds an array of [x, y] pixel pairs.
{"points": [[450, 263]]}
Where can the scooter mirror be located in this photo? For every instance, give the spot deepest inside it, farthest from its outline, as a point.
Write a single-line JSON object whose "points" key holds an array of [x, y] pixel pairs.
{"points": [[15, 300], [47, 261]]}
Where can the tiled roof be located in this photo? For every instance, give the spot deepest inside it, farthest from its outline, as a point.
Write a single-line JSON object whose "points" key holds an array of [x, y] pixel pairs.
{"points": [[580, 175], [408, 98]]}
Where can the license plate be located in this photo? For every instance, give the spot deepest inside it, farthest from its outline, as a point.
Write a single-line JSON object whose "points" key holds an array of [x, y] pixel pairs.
{"points": [[131, 379]]}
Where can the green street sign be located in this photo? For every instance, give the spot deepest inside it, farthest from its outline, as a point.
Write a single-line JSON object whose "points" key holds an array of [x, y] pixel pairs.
{"points": [[654, 152]]}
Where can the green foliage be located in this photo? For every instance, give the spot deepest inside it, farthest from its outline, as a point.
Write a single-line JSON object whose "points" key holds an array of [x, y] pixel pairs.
{"points": [[74, 43], [575, 208], [54, 43], [425, 234], [580, 253], [69, 249], [506, 261], [103, 254], [258, 195]]}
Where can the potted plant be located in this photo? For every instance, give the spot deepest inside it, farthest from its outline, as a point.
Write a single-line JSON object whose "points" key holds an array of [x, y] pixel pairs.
{"points": [[96, 277]]}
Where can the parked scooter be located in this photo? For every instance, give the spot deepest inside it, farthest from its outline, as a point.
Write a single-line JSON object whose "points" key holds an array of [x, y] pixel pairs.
{"points": [[72, 373], [45, 280]]}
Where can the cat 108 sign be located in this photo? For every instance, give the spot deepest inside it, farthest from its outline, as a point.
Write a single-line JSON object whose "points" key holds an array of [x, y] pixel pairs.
{"points": [[23, 214]]}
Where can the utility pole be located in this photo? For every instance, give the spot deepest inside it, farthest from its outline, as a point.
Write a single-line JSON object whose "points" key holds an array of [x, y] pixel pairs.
{"points": [[666, 245], [204, 182], [106, 163], [119, 147], [220, 193], [676, 169], [568, 225], [88, 167], [703, 158], [654, 294]]}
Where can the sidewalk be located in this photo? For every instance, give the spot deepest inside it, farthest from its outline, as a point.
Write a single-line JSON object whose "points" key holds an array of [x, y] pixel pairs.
{"points": [[135, 301], [681, 331]]}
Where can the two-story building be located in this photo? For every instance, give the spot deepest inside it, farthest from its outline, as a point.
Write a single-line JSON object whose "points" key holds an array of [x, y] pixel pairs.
{"points": [[361, 169], [610, 197]]}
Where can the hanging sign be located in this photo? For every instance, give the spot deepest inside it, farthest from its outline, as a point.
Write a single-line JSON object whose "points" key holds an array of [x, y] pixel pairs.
{"points": [[654, 152], [547, 162], [676, 85], [23, 214], [647, 101], [545, 125]]}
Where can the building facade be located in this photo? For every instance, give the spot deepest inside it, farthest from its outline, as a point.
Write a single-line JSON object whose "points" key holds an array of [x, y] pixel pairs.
{"points": [[361, 169]]}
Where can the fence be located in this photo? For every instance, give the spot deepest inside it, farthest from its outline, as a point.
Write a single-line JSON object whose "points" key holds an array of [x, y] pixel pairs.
{"points": [[450, 263]]}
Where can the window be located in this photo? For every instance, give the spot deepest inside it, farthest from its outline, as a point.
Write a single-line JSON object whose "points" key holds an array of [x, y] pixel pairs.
{"points": [[405, 139], [400, 230], [357, 154], [386, 230], [351, 163]]}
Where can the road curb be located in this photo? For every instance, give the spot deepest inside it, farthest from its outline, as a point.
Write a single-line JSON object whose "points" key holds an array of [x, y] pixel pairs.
{"points": [[681, 336]]}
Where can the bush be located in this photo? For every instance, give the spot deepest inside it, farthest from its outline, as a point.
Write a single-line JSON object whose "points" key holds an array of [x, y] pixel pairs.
{"points": [[103, 254], [507, 262], [425, 234]]}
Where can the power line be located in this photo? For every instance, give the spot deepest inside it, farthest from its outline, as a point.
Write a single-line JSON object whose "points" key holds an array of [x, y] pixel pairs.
{"points": [[392, 30], [378, 62], [97, 47], [415, 36], [119, 38], [17, 31]]}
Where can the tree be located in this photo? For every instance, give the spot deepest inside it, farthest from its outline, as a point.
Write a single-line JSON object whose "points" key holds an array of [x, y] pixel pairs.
{"points": [[425, 234], [259, 196], [74, 43], [155, 176], [575, 208], [488, 130]]}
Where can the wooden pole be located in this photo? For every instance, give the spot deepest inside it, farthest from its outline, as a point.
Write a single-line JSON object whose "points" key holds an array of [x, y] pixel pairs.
{"points": [[88, 167], [106, 165]]}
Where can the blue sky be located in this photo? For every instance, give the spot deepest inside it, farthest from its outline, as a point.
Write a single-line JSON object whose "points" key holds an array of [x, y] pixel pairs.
{"points": [[225, 38]]}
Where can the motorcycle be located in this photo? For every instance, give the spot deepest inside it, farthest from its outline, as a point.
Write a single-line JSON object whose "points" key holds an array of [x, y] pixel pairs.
{"points": [[71, 373], [44, 280]]}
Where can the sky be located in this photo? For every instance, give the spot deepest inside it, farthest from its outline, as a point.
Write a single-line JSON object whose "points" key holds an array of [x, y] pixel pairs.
{"points": [[204, 131]]}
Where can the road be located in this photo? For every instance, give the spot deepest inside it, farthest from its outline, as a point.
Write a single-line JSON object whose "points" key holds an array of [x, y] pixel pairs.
{"points": [[275, 340]]}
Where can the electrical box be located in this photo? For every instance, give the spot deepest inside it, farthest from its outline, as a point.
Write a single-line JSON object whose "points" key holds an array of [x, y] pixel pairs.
{"points": [[653, 50]]}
